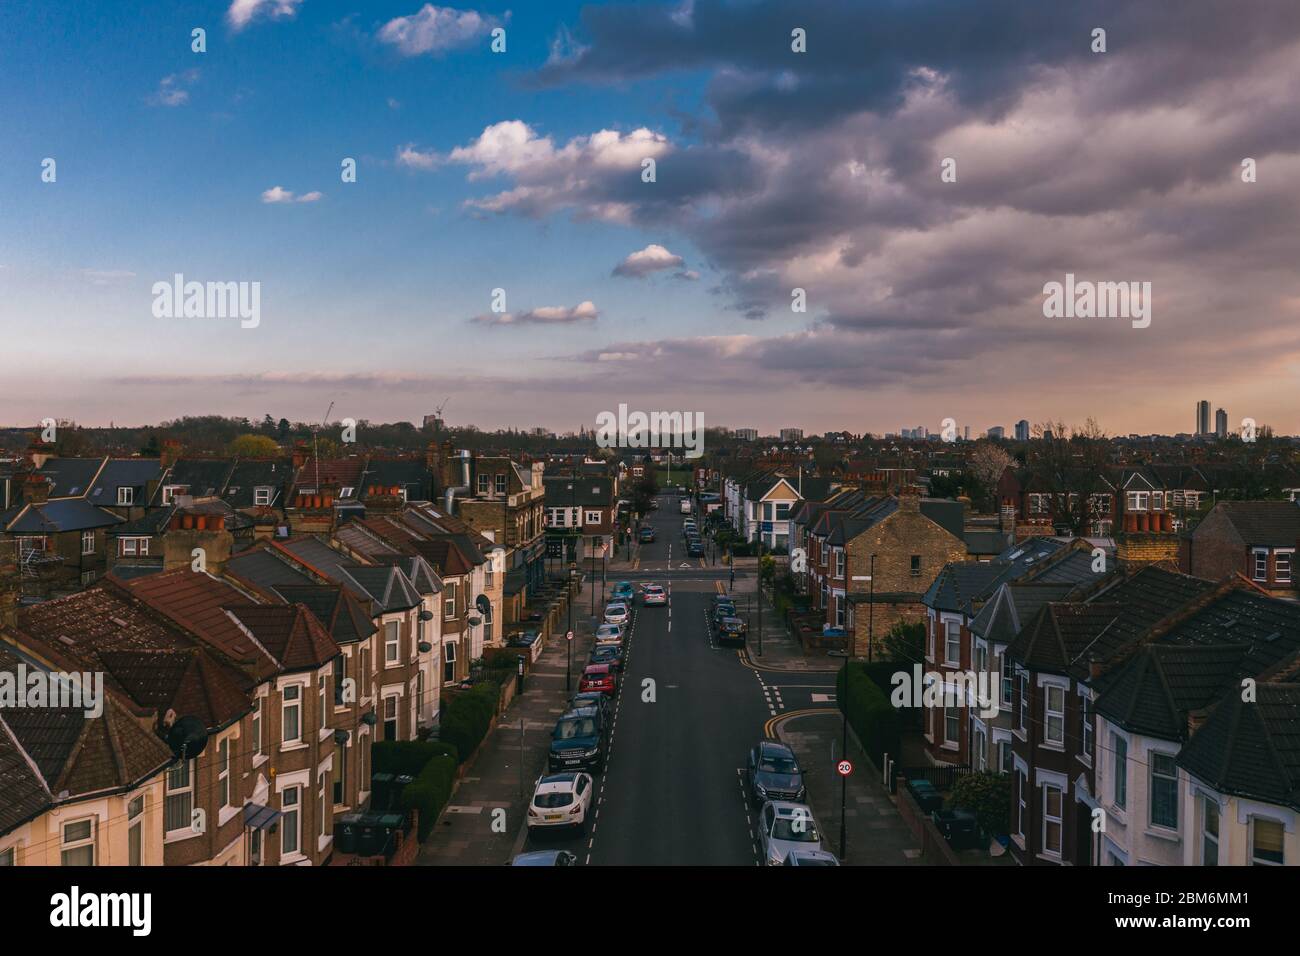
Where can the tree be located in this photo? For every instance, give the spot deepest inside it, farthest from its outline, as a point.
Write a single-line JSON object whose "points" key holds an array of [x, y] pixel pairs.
{"points": [[904, 642], [988, 796], [986, 464], [253, 446], [1069, 465]]}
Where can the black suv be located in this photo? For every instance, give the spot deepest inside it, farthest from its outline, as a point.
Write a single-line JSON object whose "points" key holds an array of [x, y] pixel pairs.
{"points": [[579, 741], [773, 773]]}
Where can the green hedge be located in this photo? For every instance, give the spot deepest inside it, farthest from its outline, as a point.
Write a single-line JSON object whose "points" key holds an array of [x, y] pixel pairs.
{"points": [[408, 756], [465, 721], [430, 791], [870, 713]]}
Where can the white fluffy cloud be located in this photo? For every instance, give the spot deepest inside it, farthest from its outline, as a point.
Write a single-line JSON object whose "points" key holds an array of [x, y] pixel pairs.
{"points": [[434, 30], [242, 12], [278, 194], [174, 89], [584, 311], [653, 258]]}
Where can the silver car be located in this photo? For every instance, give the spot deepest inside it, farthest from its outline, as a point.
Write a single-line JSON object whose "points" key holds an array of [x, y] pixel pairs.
{"points": [[785, 827]]}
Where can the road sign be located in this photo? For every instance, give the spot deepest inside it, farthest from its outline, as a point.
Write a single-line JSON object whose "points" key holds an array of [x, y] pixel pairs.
{"points": [[844, 768], [568, 636]]}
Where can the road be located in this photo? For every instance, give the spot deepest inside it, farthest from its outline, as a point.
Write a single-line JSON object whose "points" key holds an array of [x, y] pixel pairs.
{"points": [[686, 715]]}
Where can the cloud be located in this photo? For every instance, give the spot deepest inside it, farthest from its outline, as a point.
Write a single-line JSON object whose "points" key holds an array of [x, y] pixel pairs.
{"points": [[412, 157], [173, 89], [435, 30], [243, 12], [278, 194], [653, 258], [544, 315]]}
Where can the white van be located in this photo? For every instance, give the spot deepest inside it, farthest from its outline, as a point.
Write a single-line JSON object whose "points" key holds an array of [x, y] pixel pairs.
{"points": [[686, 506]]}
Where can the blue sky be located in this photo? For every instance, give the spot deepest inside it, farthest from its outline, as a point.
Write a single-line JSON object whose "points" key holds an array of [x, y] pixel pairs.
{"points": [[775, 171]]}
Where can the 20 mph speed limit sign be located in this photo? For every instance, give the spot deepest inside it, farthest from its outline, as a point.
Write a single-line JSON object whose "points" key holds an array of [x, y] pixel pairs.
{"points": [[844, 768]]}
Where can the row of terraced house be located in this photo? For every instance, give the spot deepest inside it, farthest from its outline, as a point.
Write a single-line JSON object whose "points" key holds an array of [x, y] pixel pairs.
{"points": [[290, 611]]}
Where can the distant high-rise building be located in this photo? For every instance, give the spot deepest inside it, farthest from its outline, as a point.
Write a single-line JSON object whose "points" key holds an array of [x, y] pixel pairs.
{"points": [[747, 434], [1221, 423], [1202, 417], [791, 434], [997, 431], [966, 433], [1022, 430]]}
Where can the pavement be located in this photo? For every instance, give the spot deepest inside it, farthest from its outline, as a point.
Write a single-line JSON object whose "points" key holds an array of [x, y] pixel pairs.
{"points": [[687, 712]]}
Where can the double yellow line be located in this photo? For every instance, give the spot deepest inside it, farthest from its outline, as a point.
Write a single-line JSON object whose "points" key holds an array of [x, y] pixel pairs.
{"points": [[770, 728]]}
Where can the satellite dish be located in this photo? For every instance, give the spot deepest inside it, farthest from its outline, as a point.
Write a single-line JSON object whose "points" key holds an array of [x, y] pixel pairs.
{"points": [[484, 606], [187, 738]]}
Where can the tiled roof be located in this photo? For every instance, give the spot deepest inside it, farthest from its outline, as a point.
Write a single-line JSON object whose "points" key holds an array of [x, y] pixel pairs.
{"points": [[1274, 524], [202, 476], [117, 473], [387, 585], [60, 514], [962, 583], [1155, 689], [342, 615], [1251, 749], [252, 473], [70, 476], [445, 557], [1012, 607], [290, 632]]}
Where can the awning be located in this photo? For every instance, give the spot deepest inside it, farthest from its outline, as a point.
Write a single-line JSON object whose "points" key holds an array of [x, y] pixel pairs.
{"points": [[259, 817]]}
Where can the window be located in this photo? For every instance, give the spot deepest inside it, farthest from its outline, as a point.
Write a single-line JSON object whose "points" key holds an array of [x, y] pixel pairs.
{"points": [[1005, 762], [8, 857], [1120, 748], [79, 843], [321, 682], [88, 542], [1024, 701], [952, 642], [1158, 501], [257, 725], [1054, 708], [321, 815], [839, 563], [448, 662], [135, 547], [484, 482], [592, 517], [347, 491], [340, 772], [1209, 832], [135, 832], [363, 670], [916, 565], [290, 820], [169, 493], [340, 676], [1164, 791], [390, 718], [1266, 842], [1051, 819], [262, 495], [1008, 678], [1022, 786], [951, 724], [392, 642], [1085, 716], [291, 714], [839, 611], [501, 484], [125, 495], [449, 601], [223, 773], [1138, 500], [978, 744], [1282, 566], [1260, 564], [178, 800]]}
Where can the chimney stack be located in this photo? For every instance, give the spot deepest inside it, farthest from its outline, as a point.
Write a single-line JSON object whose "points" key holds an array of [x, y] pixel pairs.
{"points": [[171, 451], [37, 489], [909, 498]]}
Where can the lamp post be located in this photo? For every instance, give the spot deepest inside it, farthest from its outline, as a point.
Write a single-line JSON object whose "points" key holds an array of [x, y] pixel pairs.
{"points": [[760, 587], [871, 609]]}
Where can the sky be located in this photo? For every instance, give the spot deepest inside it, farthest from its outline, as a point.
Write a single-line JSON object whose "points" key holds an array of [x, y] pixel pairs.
{"points": [[920, 170]]}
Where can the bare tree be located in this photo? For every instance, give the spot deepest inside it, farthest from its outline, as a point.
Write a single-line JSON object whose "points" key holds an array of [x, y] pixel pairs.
{"points": [[1069, 465]]}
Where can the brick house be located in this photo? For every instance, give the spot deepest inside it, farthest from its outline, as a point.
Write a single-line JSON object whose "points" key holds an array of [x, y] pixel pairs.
{"points": [[1257, 539]]}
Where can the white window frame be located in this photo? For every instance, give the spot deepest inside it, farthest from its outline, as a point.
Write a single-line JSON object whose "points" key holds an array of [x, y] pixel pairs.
{"points": [[125, 496], [223, 772], [1259, 564], [392, 643], [263, 495], [1283, 563], [1152, 773], [134, 547], [1119, 765], [951, 638], [1050, 715], [288, 704], [1206, 837], [449, 601], [291, 812], [1059, 820], [171, 793], [88, 542], [87, 842]]}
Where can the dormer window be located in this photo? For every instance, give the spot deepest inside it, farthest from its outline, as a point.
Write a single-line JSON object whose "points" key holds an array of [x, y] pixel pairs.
{"points": [[262, 495], [501, 484], [169, 492], [347, 492], [125, 495]]}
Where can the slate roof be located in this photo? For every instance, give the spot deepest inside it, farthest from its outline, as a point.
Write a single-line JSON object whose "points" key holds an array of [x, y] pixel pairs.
{"points": [[445, 557], [202, 476], [70, 476], [250, 473], [265, 569], [1251, 750], [387, 585], [1156, 688], [413, 474], [60, 514], [589, 491], [1012, 606], [341, 614], [51, 755], [417, 570], [962, 583], [985, 542], [117, 473], [1274, 524]]}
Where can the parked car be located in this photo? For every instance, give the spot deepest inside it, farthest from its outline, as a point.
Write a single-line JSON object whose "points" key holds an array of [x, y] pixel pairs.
{"points": [[545, 858], [590, 698], [732, 629], [611, 654], [653, 594], [784, 827], [696, 548], [773, 773], [610, 634], [721, 612], [646, 535], [579, 741], [616, 614], [810, 858], [561, 800], [685, 506], [623, 591], [599, 677]]}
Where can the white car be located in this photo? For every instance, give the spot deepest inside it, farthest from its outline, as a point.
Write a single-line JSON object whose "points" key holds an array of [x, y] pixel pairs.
{"points": [[616, 614], [785, 827], [561, 800], [609, 634], [653, 594]]}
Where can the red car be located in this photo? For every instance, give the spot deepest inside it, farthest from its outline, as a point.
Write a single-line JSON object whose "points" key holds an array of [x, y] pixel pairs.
{"points": [[598, 677]]}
